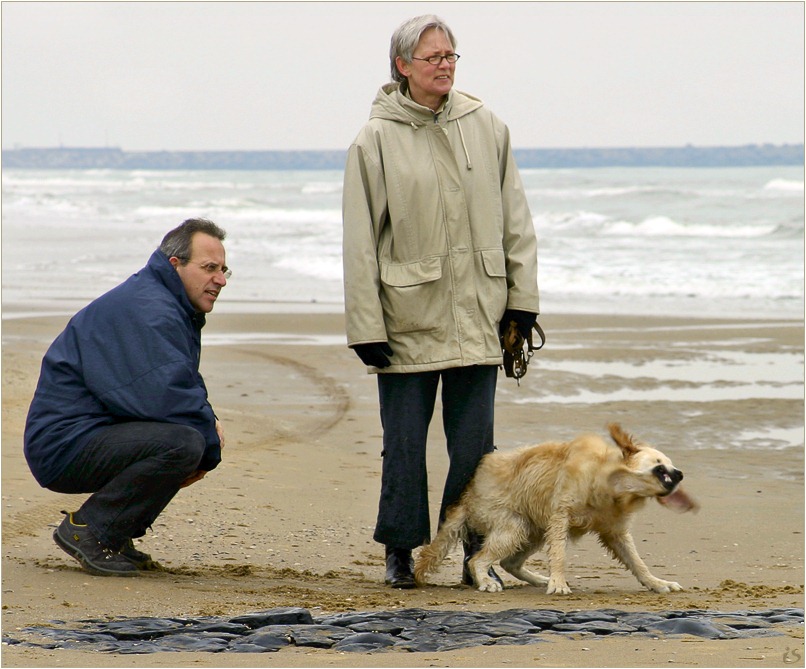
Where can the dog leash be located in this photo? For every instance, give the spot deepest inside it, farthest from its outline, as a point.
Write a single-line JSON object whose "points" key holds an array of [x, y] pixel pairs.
{"points": [[516, 358]]}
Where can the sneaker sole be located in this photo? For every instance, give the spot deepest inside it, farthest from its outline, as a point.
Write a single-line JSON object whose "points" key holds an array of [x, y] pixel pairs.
{"points": [[73, 552], [145, 565]]}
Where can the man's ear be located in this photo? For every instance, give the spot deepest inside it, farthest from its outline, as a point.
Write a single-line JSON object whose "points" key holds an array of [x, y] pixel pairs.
{"points": [[174, 261]]}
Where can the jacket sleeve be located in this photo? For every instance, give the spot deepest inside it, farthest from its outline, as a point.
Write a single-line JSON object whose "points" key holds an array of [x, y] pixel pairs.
{"points": [[364, 209], [520, 240], [150, 373]]}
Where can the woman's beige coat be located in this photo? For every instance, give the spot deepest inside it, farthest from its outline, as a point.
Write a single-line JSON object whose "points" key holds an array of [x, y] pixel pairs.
{"points": [[438, 238]]}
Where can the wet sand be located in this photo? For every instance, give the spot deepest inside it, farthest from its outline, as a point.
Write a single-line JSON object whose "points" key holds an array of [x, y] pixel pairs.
{"points": [[287, 518]]}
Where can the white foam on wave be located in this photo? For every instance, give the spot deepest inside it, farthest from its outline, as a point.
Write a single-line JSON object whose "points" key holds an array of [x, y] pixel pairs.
{"points": [[711, 376], [585, 193], [313, 265], [784, 370], [276, 338], [590, 222], [319, 187], [769, 439], [167, 212], [283, 215], [660, 240], [662, 226], [787, 185], [733, 393]]}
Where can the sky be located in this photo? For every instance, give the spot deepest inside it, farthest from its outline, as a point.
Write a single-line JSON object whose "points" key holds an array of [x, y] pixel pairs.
{"points": [[208, 76]]}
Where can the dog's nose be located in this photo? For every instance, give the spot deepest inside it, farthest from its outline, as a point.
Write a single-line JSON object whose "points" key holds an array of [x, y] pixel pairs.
{"points": [[677, 476]]}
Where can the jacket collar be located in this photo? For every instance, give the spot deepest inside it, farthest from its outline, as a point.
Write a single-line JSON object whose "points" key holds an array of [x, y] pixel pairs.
{"points": [[391, 103], [167, 275]]}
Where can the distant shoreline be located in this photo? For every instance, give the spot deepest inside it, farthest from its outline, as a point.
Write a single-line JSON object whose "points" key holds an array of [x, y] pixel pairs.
{"points": [[751, 155]]}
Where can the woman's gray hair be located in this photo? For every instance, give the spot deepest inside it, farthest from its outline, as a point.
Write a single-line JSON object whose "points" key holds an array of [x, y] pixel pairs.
{"points": [[177, 243], [407, 36]]}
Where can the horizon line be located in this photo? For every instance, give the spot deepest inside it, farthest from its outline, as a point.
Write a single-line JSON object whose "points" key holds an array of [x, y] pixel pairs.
{"points": [[523, 148]]}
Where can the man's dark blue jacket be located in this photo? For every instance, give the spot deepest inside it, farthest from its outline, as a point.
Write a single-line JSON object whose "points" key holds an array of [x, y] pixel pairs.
{"points": [[131, 355]]}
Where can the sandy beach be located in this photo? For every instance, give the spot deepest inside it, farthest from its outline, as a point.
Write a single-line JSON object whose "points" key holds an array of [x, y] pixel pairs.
{"points": [[287, 518]]}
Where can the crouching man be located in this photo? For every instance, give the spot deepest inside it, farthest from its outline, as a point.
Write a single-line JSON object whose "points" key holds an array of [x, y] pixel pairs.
{"points": [[121, 410]]}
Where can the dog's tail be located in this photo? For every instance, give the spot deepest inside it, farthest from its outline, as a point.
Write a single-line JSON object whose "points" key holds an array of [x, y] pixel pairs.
{"points": [[450, 532]]}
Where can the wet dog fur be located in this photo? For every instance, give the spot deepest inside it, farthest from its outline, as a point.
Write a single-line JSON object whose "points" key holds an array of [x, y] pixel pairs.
{"points": [[535, 496]]}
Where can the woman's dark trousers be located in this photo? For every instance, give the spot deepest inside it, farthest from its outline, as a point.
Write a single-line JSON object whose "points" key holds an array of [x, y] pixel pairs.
{"points": [[134, 470], [407, 405]]}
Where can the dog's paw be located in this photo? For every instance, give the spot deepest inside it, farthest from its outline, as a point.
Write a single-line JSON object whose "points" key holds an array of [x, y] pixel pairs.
{"points": [[557, 586], [490, 585], [664, 587]]}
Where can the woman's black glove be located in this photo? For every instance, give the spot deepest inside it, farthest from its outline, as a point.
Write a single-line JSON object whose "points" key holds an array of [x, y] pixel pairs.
{"points": [[524, 321], [375, 354]]}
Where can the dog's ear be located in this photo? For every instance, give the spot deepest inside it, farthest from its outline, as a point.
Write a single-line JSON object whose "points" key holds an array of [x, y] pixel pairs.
{"points": [[623, 440], [624, 482], [679, 501]]}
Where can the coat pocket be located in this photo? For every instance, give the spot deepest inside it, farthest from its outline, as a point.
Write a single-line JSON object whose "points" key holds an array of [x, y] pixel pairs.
{"points": [[494, 291], [494, 262], [410, 295]]}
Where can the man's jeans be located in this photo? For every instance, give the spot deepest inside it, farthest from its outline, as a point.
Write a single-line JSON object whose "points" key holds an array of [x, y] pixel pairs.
{"points": [[134, 469], [407, 405]]}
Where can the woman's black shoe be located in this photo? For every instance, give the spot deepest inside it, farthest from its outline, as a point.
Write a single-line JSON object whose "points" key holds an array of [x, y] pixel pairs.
{"points": [[399, 568]]}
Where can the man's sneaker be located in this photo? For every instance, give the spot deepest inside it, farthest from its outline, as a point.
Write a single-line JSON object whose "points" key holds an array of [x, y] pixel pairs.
{"points": [[139, 559], [78, 542]]}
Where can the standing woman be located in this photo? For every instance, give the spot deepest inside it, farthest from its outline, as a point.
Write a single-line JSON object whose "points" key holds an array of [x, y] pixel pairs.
{"points": [[439, 249]]}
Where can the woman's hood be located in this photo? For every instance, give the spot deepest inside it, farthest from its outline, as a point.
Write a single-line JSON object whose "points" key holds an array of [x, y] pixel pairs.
{"points": [[392, 105]]}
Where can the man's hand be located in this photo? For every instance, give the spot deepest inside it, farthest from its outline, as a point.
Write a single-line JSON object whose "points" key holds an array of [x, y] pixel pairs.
{"points": [[220, 431], [198, 475]]}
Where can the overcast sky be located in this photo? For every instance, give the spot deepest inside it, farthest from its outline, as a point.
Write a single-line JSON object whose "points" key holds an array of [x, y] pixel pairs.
{"points": [[302, 75]]}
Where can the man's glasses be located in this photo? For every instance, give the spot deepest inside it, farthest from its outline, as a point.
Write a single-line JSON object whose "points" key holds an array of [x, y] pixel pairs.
{"points": [[437, 60], [212, 268]]}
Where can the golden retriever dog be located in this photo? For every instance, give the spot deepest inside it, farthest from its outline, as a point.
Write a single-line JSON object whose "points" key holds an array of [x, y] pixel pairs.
{"points": [[523, 499]]}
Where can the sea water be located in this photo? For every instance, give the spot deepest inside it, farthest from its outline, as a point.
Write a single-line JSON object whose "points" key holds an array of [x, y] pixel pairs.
{"points": [[690, 242], [667, 241]]}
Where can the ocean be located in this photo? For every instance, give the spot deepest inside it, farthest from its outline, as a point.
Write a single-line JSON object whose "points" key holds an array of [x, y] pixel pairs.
{"points": [[666, 241], [693, 242]]}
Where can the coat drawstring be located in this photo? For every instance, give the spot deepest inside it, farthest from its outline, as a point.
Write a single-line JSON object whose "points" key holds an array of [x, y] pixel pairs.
{"points": [[461, 137], [464, 146]]}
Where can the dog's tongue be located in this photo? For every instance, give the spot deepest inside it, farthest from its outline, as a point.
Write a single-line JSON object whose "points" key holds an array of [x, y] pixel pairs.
{"points": [[679, 501]]}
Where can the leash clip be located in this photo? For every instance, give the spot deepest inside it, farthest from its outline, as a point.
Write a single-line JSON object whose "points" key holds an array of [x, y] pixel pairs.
{"points": [[516, 359]]}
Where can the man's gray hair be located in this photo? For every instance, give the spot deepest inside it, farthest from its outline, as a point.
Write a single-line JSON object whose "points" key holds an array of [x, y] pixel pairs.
{"points": [[177, 243], [407, 36]]}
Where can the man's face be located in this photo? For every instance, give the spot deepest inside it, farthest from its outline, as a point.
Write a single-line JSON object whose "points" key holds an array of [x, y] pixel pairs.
{"points": [[203, 275]]}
